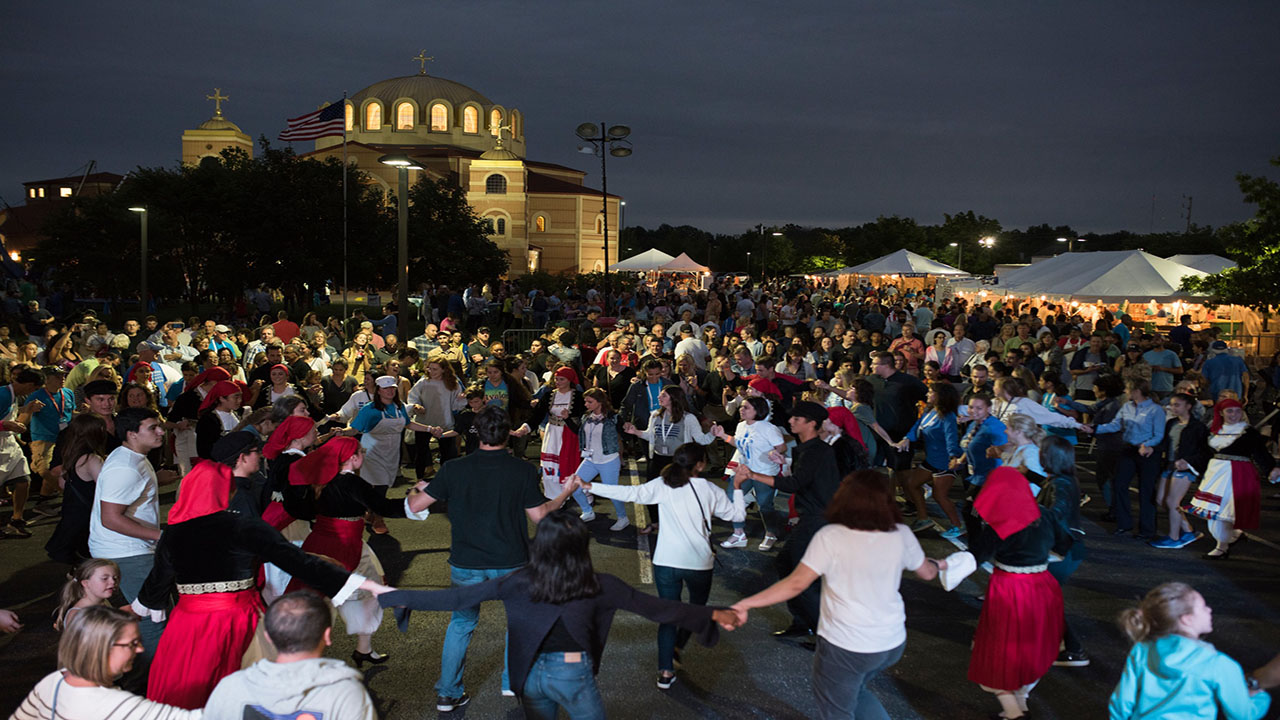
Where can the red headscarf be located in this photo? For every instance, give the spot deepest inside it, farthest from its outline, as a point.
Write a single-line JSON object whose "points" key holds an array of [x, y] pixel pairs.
{"points": [[205, 490], [213, 374], [137, 367], [844, 419], [765, 387], [1218, 419], [565, 371], [291, 429], [1006, 502], [285, 368], [219, 391], [322, 465]]}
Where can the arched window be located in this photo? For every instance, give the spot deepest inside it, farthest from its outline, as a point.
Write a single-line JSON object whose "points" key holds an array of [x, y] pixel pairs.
{"points": [[373, 116], [404, 116], [502, 226], [495, 121], [439, 118], [516, 122], [351, 118], [495, 184], [599, 224], [470, 120], [540, 223]]}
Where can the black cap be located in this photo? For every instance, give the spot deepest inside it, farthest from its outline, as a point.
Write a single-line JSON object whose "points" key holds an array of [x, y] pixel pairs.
{"points": [[810, 411], [100, 387], [233, 445]]}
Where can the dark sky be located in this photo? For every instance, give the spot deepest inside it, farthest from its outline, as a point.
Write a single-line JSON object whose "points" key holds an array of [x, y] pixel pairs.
{"points": [[815, 113]]}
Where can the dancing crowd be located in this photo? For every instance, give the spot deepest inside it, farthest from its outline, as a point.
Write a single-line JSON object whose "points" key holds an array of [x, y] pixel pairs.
{"points": [[840, 423]]}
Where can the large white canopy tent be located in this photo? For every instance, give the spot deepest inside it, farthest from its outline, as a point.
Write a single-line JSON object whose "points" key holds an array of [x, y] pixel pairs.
{"points": [[1212, 264], [646, 261], [900, 262], [1110, 277], [684, 264]]}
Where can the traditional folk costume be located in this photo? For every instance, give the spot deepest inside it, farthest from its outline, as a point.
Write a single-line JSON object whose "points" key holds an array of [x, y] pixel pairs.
{"points": [[1020, 628], [211, 557], [291, 509], [187, 407], [561, 452], [214, 423], [1230, 495], [340, 505]]}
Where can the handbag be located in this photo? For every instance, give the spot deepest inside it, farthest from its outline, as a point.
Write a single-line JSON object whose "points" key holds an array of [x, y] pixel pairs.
{"points": [[706, 523]]}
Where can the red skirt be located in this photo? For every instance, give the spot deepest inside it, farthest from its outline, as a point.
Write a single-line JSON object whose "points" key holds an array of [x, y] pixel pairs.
{"points": [[204, 641], [338, 539], [1246, 492], [276, 516], [1019, 631]]}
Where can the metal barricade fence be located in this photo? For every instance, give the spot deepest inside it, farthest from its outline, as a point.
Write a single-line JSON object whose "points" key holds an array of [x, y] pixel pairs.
{"points": [[518, 340]]}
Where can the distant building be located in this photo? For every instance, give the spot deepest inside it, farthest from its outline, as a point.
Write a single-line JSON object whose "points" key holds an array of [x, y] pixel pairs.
{"points": [[540, 213], [21, 227], [214, 135]]}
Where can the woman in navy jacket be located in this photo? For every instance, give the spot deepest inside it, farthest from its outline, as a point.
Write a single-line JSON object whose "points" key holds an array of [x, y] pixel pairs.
{"points": [[1185, 455], [939, 432]]}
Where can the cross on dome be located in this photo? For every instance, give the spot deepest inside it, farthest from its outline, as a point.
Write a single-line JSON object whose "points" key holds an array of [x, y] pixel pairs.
{"points": [[217, 97], [423, 59]]}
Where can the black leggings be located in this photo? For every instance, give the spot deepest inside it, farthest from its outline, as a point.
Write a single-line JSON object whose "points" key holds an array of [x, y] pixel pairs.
{"points": [[422, 451]]}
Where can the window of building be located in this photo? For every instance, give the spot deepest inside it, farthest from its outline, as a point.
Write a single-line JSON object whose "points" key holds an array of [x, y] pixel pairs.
{"points": [[64, 192], [495, 122], [470, 120], [373, 117], [439, 118], [351, 118], [498, 226], [600, 225], [31, 192], [41, 191], [502, 226], [515, 124], [495, 184], [535, 259], [404, 116], [540, 223]]}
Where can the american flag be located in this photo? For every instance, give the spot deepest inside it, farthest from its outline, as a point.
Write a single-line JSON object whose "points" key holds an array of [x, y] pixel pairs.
{"points": [[328, 120]]}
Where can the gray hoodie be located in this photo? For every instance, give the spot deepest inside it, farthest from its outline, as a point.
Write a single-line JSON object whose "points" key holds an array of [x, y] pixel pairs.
{"points": [[325, 688]]}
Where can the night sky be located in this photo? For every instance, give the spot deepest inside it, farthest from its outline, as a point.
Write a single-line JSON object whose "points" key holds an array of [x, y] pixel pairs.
{"points": [[829, 113]]}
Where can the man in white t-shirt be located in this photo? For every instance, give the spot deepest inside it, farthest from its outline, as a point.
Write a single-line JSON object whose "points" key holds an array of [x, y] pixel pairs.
{"points": [[692, 346], [125, 522]]}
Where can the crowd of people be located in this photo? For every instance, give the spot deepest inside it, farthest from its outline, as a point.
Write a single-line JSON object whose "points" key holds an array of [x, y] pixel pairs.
{"points": [[843, 423]]}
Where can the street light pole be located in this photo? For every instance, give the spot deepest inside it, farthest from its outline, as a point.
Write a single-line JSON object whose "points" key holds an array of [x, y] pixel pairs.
{"points": [[142, 284], [403, 165], [1071, 243], [959, 255], [611, 141]]}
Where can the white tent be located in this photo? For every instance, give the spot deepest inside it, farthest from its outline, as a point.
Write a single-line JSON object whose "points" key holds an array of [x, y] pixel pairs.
{"points": [[1211, 264], [644, 262], [901, 262], [1111, 277], [685, 264]]}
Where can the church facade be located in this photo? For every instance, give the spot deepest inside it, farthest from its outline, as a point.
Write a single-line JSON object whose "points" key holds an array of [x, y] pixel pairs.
{"points": [[540, 213]]}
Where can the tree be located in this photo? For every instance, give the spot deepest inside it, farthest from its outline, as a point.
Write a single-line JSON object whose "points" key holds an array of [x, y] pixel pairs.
{"points": [[447, 242], [1255, 243]]}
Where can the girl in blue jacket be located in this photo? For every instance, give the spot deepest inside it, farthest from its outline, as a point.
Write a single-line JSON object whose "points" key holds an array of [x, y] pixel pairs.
{"points": [[1171, 673], [937, 429]]}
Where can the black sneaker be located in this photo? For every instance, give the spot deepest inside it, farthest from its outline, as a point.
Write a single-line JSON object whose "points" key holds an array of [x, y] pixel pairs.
{"points": [[666, 681], [1070, 659], [446, 704]]}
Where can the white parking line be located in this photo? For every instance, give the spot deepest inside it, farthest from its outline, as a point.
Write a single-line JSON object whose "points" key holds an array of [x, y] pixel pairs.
{"points": [[641, 520]]}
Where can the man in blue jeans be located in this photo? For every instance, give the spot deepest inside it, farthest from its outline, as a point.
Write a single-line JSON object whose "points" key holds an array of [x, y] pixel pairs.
{"points": [[491, 496]]}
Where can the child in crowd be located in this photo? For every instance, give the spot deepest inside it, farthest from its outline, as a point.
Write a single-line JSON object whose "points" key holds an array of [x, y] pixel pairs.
{"points": [[92, 582]]}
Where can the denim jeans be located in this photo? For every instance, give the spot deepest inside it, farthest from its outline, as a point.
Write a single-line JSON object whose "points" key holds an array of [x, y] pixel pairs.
{"points": [[1147, 470], [608, 473], [840, 680], [555, 683], [765, 495], [133, 573], [670, 581], [453, 656]]}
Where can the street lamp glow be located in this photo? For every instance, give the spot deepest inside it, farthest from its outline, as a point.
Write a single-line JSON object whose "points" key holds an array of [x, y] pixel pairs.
{"points": [[1062, 239], [987, 241], [777, 234], [138, 208], [399, 161], [955, 244]]}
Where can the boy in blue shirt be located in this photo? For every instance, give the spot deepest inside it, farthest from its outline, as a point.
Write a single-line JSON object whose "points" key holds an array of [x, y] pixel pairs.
{"points": [[59, 403]]}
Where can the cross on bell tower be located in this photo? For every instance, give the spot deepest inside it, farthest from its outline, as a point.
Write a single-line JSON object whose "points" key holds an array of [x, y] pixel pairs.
{"points": [[217, 97]]}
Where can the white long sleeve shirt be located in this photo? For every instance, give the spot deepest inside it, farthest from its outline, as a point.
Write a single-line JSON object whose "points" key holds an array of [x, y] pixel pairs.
{"points": [[683, 542]]}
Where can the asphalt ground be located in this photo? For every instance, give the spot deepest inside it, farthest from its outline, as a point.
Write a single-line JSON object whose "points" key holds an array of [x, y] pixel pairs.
{"points": [[749, 674]]}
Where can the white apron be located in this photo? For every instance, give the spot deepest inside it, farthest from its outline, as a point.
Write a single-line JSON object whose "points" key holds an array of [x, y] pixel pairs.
{"points": [[382, 450]]}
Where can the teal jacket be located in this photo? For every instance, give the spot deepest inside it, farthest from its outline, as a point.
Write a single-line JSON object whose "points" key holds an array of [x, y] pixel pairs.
{"points": [[1177, 678]]}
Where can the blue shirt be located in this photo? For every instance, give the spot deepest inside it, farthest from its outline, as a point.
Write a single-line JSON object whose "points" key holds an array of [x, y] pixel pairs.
{"points": [[1123, 331], [369, 416], [978, 437], [1141, 424], [1178, 678], [1224, 371], [55, 415], [1162, 382], [941, 439]]}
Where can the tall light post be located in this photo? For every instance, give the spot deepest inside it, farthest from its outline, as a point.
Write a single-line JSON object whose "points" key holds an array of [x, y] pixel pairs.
{"points": [[612, 141], [959, 255], [764, 242], [403, 165], [1071, 243], [748, 264], [142, 285]]}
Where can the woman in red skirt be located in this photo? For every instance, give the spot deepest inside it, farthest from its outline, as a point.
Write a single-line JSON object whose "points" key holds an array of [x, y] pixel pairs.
{"points": [[1021, 623], [342, 499], [212, 557], [1230, 494]]}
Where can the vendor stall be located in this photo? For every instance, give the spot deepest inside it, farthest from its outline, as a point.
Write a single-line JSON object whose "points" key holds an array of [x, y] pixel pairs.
{"points": [[903, 268]]}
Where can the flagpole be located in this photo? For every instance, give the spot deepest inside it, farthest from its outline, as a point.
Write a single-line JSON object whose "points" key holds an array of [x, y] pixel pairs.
{"points": [[344, 211]]}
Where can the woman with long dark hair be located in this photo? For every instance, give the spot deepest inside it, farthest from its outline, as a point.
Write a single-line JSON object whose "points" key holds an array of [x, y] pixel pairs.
{"points": [[684, 556], [860, 556], [433, 401], [217, 415], [938, 430], [381, 424], [598, 442], [670, 426], [1062, 497], [559, 610], [86, 445]]}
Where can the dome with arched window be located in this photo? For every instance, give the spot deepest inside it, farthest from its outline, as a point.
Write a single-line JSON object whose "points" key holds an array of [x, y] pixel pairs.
{"points": [[424, 109]]}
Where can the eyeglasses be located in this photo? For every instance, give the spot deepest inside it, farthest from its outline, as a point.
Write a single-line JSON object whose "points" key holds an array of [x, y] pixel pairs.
{"points": [[134, 644]]}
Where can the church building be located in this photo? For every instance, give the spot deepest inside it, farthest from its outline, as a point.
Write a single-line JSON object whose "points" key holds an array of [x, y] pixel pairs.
{"points": [[540, 213]]}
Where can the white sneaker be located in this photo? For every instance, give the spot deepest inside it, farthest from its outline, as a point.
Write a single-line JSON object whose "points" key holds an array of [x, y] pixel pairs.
{"points": [[735, 541], [508, 693], [588, 516], [622, 524]]}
